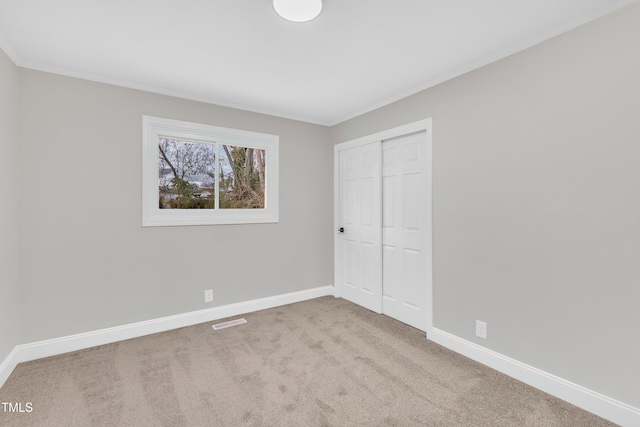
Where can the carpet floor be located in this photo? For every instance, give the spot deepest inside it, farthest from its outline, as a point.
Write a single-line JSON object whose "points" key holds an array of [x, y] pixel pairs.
{"points": [[324, 362]]}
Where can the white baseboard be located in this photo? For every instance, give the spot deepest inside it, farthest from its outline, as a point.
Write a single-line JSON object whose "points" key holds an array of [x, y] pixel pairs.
{"points": [[8, 365], [596, 403], [53, 347], [610, 409]]}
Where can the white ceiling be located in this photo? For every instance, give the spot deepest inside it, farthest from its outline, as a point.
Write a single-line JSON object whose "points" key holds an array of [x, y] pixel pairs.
{"points": [[357, 56]]}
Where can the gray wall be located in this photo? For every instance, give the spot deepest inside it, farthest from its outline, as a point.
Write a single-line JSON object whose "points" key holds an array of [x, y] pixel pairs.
{"points": [[9, 206], [536, 202], [85, 261], [535, 205]]}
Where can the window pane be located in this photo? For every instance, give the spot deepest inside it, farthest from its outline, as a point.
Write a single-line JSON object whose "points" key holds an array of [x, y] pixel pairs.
{"points": [[242, 177], [186, 174]]}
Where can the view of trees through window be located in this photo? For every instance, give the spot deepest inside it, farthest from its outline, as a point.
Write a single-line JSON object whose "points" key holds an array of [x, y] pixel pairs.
{"points": [[188, 171]]}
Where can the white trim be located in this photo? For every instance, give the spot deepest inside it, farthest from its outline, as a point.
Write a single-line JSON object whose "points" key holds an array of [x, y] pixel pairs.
{"points": [[490, 58], [336, 219], [325, 121], [161, 90], [8, 50], [591, 401], [53, 347], [420, 125], [8, 365], [156, 127]]}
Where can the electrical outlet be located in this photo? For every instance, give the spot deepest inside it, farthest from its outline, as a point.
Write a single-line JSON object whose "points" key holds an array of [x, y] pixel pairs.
{"points": [[481, 329], [208, 295]]}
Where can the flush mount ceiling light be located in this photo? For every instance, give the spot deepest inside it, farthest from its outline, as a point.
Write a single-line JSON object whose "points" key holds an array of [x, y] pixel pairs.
{"points": [[298, 10]]}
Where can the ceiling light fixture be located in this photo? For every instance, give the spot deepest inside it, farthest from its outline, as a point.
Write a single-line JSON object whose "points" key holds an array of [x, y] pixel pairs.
{"points": [[298, 10]]}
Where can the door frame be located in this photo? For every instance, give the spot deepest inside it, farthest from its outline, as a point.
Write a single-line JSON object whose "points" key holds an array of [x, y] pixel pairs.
{"points": [[421, 125]]}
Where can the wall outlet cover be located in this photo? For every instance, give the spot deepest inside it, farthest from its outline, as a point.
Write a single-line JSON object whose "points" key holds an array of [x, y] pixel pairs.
{"points": [[481, 329], [208, 295]]}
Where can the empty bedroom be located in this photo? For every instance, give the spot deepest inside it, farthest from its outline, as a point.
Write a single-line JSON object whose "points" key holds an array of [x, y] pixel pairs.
{"points": [[320, 213]]}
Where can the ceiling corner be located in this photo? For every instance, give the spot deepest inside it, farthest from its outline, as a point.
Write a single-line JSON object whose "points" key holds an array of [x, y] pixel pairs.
{"points": [[9, 51]]}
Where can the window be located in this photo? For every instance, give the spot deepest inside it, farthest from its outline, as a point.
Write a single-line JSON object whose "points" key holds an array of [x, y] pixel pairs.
{"points": [[195, 174]]}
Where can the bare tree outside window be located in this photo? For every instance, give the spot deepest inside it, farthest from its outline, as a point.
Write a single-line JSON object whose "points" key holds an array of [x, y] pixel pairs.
{"points": [[242, 177], [199, 174], [186, 174]]}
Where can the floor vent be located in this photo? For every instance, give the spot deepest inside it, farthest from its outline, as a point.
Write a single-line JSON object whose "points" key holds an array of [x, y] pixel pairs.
{"points": [[228, 324]]}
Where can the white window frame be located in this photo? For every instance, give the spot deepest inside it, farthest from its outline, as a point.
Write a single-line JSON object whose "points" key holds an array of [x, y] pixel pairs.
{"points": [[153, 216]]}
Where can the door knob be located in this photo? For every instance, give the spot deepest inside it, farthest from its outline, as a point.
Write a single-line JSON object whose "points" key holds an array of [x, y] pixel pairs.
{"points": [[341, 229]]}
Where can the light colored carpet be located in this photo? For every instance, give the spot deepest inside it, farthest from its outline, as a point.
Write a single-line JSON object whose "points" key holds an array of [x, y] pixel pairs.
{"points": [[324, 362]]}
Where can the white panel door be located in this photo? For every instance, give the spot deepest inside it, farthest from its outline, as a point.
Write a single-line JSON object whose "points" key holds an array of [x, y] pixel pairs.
{"points": [[404, 224], [359, 259]]}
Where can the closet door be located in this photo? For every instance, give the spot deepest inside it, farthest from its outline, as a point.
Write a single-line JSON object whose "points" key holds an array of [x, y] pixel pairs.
{"points": [[359, 258], [382, 248], [404, 228]]}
